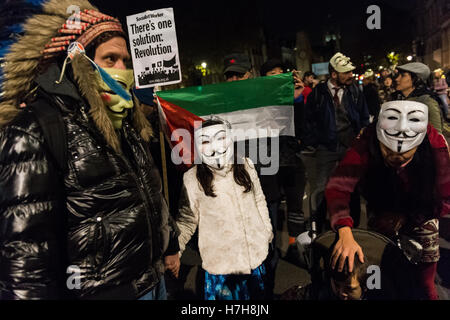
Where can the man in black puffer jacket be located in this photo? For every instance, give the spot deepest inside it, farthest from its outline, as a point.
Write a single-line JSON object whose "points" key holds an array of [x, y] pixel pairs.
{"points": [[100, 228]]}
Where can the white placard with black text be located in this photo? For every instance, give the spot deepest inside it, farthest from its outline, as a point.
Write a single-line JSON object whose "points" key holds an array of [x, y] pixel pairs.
{"points": [[154, 48]]}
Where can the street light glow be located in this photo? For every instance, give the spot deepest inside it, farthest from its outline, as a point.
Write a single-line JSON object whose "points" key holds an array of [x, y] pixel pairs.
{"points": [[204, 65], [409, 58]]}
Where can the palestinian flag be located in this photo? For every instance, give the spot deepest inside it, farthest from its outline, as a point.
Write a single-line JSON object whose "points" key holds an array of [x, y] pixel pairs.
{"points": [[263, 105]]}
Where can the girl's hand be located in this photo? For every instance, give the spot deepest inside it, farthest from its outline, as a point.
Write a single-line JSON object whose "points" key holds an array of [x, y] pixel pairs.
{"points": [[172, 263]]}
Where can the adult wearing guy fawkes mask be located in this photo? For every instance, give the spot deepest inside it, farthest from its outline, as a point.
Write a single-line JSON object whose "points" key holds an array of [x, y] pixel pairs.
{"points": [[401, 166], [101, 212], [335, 112]]}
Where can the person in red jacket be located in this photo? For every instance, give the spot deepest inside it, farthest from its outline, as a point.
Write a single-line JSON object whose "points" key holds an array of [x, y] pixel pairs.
{"points": [[310, 81], [401, 165]]}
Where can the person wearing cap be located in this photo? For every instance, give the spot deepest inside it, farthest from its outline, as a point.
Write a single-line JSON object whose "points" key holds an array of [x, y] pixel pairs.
{"points": [[370, 91], [440, 87], [401, 166], [410, 80], [92, 224], [335, 113], [290, 178], [237, 67]]}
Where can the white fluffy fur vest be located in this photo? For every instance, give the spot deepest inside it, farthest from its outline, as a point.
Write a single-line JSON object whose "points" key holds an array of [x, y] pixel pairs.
{"points": [[234, 227]]}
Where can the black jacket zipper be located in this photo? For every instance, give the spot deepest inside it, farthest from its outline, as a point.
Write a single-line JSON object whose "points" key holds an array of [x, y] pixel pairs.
{"points": [[144, 195], [139, 184]]}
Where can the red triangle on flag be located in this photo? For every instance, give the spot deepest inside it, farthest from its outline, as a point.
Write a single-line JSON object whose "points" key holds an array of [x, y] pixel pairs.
{"points": [[174, 118]]}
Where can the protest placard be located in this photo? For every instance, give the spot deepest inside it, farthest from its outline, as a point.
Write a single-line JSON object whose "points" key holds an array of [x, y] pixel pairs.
{"points": [[154, 48]]}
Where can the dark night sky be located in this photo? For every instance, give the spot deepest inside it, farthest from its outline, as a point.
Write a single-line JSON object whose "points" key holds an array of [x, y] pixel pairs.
{"points": [[203, 26]]}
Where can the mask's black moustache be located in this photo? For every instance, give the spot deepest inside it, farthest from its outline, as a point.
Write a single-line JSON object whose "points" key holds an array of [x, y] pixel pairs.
{"points": [[216, 152], [401, 134]]}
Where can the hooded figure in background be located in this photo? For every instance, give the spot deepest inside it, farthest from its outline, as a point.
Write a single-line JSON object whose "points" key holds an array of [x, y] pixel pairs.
{"points": [[97, 227], [401, 166]]}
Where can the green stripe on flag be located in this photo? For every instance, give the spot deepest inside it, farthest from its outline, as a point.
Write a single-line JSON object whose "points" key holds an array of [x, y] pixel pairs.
{"points": [[225, 97]]}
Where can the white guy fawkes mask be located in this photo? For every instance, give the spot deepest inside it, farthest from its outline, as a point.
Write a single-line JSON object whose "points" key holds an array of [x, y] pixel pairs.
{"points": [[402, 125], [215, 145]]}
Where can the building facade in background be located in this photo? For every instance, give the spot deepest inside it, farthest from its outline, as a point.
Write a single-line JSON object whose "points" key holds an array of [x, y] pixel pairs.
{"points": [[432, 42]]}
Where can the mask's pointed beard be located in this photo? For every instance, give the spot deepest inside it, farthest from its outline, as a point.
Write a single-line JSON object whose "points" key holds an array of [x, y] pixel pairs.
{"points": [[399, 146], [218, 163]]}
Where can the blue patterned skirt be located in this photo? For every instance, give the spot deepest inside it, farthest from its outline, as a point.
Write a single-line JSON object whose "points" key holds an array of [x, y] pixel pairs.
{"points": [[236, 286]]}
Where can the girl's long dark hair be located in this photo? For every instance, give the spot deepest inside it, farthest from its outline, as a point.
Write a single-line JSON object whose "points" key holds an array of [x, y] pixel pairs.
{"points": [[205, 175]]}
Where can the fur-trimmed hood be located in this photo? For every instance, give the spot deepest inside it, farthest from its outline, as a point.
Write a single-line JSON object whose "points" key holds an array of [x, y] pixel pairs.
{"points": [[22, 68]]}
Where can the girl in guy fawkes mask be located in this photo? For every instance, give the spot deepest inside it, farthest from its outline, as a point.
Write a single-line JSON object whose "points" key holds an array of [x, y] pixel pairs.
{"points": [[401, 164], [225, 201]]}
